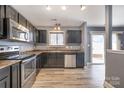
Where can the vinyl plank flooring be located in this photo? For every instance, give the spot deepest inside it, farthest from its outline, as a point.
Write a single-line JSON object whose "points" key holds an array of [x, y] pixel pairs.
{"points": [[90, 77]]}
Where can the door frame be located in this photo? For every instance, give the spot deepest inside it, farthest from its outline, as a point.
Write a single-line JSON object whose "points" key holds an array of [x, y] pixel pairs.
{"points": [[91, 51]]}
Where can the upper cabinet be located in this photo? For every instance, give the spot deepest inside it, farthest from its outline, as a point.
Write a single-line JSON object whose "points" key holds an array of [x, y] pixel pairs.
{"points": [[73, 37], [11, 13], [30, 27], [22, 20], [2, 15], [42, 36], [1, 20]]}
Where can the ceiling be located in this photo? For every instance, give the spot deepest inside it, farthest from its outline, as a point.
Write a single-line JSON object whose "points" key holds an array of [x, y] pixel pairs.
{"points": [[73, 16]]}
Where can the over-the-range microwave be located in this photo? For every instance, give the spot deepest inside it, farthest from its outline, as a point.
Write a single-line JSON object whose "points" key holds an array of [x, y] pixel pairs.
{"points": [[14, 31]]}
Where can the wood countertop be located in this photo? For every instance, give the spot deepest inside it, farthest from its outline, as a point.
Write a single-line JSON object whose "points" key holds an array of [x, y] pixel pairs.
{"points": [[6, 63], [38, 52]]}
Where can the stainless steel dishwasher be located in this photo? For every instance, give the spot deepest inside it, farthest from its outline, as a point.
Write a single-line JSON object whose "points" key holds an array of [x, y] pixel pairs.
{"points": [[70, 61]]}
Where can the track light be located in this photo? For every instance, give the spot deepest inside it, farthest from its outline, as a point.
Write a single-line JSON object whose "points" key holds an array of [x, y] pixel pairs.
{"points": [[63, 7], [82, 7], [48, 7]]}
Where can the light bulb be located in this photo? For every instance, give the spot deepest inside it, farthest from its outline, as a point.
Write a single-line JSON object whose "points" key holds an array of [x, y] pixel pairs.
{"points": [[82, 7], [63, 7], [48, 8]]}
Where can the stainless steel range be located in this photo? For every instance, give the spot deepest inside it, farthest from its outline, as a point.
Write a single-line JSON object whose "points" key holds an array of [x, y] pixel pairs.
{"points": [[28, 63]]}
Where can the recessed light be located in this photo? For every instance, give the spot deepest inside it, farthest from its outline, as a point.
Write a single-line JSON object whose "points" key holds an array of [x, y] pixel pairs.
{"points": [[63, 7], [48, 7], [82, 7]]}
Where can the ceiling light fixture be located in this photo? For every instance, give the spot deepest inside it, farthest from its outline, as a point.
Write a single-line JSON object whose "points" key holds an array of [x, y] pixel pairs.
{"points": [[63, 7], [48, 7], [57, 27], [82, 7]]}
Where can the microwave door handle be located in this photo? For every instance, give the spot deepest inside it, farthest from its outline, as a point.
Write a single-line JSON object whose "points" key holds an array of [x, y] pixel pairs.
{"points": [[26, 36]]}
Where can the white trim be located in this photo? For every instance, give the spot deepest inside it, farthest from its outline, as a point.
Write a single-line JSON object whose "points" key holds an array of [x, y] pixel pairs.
{"points": [[95, 63], [108, 85]]}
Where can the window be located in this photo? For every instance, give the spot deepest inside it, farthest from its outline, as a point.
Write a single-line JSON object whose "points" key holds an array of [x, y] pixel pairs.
{"points": [[56, 38]]}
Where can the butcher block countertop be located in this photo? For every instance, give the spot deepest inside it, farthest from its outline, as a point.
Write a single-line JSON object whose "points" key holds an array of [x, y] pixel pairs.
{"points": [[6, 63], [38, 52]]}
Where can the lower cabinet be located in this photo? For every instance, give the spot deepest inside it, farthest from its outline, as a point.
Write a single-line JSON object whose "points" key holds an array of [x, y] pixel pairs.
{"points": [[57, 60], [5, 77], [15, 76], [52, 60], [80, 60]]}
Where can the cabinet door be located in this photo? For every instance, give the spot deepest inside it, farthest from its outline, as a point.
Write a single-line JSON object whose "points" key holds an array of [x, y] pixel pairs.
{"points": [[30, 27], [43, 62], [22, 20], [1, 20], [51, 62], [11, 13], [34, 35], [59, 60], [42, 36], [74, 36], [15, 76], [80, 60], [5, 78], [2, 14]]}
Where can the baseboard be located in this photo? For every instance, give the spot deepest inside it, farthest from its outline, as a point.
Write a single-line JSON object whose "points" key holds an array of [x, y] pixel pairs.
{"points": [[108, 85], [95, 64]]}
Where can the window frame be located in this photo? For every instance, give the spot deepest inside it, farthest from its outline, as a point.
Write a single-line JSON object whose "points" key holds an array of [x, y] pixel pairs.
{"points": [[56, 32]]}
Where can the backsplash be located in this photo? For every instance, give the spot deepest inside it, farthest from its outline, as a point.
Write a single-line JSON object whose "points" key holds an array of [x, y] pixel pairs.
{"points": [[23, 46]]}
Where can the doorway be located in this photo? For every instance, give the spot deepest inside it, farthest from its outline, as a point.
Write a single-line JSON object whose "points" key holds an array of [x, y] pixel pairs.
{"points": [[97, 48]]}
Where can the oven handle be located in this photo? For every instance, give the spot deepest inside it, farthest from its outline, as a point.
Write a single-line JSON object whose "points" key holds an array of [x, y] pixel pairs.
{"points": [[28, 59]]}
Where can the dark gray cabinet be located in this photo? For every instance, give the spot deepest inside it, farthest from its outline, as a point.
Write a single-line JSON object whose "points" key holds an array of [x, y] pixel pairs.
{"points": [[52, 60], [11, 13], [15, 76], [31, 30], [73, 36], [42, 36], [60, 60], [80, 60], [2, 14], [1, 20], [5, 77], [22, 20]]}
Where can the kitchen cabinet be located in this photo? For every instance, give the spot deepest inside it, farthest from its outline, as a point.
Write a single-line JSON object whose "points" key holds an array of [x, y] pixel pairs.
{"points": [[22, 20], [5, 77], [31, 30], [52, 60], [34, 35], [1, 20], [11, 13], [73, 37], [80, 60], [15, 76], [38, 62], [60, 60], [42, 36], [2, 14]]}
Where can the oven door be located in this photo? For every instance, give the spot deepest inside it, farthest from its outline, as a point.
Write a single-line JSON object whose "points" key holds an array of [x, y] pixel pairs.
{"points": [[28, 70]]}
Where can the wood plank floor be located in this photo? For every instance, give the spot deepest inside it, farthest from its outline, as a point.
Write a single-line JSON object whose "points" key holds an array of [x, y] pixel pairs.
{"points": [[90, 77]]}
